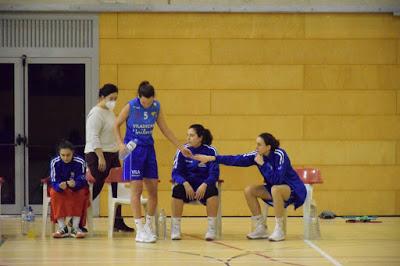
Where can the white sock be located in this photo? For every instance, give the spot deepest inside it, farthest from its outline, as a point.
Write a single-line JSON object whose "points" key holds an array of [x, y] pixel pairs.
{"points": [[139, 224], [211, 222], [279, 221], [75, 222], [61, 223], [176, 220], [149, 221], [258, 220]]}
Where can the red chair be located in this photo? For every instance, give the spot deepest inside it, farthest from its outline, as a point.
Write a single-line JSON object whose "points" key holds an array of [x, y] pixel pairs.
{"points": [[309, 176]]}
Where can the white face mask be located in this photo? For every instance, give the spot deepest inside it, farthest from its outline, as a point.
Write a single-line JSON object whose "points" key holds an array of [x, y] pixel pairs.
{"points": [[110, 105]]}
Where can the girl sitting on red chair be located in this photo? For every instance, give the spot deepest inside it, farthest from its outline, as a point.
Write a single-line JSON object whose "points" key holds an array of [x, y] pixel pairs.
{"points": [[195, 181], [282, 184], [69, 191]]}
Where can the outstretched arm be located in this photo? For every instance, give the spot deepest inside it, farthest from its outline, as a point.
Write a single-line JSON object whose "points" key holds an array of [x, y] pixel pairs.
{"points": [[242, 160], [162, 124]]}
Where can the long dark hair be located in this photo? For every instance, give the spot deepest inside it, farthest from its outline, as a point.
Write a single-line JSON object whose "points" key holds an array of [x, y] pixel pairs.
{"points": [[203, 132], [270, 140], [146, 89]]}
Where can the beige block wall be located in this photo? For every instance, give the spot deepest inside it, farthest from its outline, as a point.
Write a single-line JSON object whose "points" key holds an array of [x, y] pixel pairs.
{"points": [[327, 85]]}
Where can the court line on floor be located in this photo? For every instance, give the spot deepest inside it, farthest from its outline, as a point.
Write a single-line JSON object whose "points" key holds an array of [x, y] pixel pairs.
{"points": [[323, 253], [192, 254], [248, 252]]}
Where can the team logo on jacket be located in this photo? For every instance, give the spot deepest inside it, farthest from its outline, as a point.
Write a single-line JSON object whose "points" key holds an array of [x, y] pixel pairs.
{"points": [[72, 174], [202, 165]]}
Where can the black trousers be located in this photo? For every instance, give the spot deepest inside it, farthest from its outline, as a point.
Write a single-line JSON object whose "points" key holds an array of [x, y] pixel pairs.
{"points": [[112, 161]]}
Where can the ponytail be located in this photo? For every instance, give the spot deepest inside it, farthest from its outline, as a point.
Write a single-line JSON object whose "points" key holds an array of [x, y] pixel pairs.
{"points": [[203, 132], [270, 140]]}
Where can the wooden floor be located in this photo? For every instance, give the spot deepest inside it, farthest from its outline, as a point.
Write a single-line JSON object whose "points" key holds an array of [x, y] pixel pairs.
{"points": [[341, 244]]}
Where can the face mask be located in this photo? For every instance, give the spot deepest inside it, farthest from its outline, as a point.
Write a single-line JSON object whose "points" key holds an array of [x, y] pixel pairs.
{"points": [[110, 105]]}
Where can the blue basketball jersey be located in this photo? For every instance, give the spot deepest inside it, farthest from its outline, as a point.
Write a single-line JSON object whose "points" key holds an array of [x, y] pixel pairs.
{"points": [[140, 122]]}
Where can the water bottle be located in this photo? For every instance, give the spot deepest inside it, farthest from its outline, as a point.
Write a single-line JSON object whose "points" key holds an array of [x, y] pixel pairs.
{"points": [[30, 222], [311, 226], [129, 147], [24, 214], [162, 225]]}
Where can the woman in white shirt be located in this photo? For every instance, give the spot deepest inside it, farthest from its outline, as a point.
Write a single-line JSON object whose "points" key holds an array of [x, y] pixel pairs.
{"points": [[101, 150]]}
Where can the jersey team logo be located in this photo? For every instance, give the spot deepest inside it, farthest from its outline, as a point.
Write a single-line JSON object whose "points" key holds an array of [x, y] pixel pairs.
{"points": [[135, 172]]}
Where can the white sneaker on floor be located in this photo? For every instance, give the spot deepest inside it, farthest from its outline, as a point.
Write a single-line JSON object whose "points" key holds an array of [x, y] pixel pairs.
{"points": [[176, 231], [140, 236], [210, 234], [278, 234], [259, 233], [143, 237], [151, 236]]}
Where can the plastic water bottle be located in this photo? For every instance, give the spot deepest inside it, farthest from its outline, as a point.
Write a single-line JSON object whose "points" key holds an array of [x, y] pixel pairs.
{"points": [[162, 225], [30, 223], [311, 225], [129, 147], [24, 214]]}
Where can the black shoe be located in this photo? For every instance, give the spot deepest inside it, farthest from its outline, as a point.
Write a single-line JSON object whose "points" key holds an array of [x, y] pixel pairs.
{"points": [[83, 229], [123, 228], [61, 233], [77, 233]]}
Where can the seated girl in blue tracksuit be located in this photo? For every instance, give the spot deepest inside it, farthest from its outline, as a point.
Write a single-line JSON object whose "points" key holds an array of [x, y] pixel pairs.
{"points": [[282, 184], [69, 191], [195, 181]]}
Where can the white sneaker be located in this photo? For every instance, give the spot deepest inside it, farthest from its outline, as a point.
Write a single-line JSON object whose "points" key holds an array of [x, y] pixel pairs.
{"points": [[176, 231], [211, 234], [143, 237], [259, 233], [211, 231], [151, 236], [278, 234]]}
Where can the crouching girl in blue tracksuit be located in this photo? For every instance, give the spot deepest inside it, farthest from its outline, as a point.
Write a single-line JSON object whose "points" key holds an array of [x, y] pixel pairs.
{"points": [[282, 184]]}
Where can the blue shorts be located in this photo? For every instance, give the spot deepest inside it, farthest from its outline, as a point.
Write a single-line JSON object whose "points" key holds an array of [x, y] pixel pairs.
{"points": [[141, 163], [291, 199]]}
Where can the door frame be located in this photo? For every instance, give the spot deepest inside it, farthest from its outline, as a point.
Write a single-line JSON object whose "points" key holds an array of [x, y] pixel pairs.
{"points": [[42, 45], [37, 208], [18, 129]]}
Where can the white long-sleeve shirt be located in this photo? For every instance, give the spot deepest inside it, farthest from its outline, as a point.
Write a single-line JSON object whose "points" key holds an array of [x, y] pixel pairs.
{"points": [[99, 130]]}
